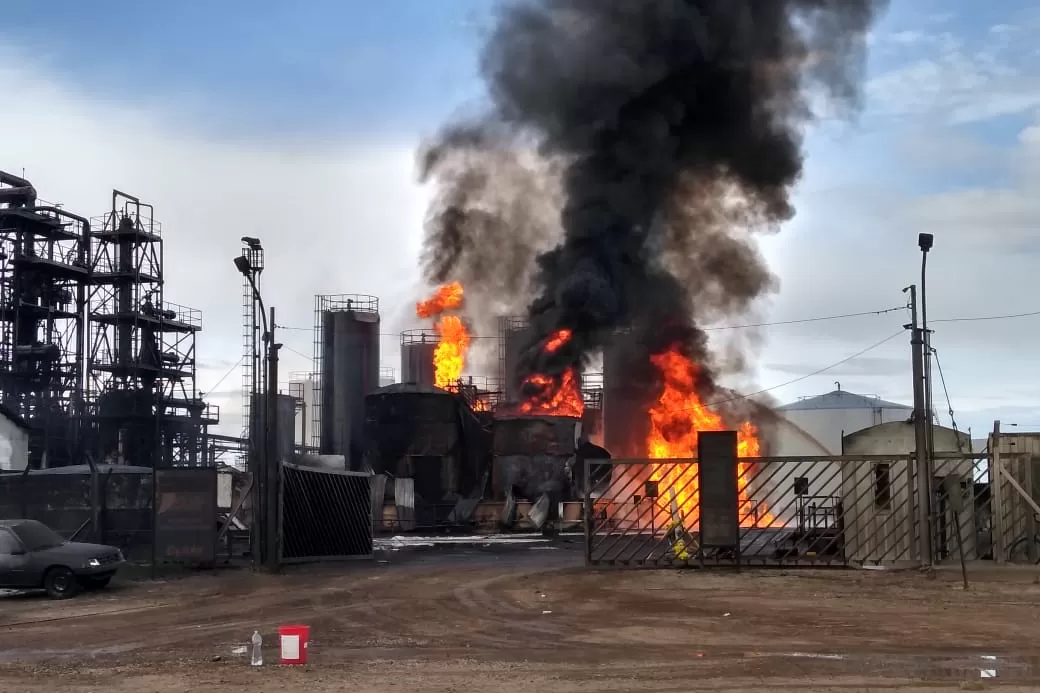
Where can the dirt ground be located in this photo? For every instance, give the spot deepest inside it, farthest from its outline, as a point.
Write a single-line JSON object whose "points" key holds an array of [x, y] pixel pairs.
{"points": [[533, 619]]}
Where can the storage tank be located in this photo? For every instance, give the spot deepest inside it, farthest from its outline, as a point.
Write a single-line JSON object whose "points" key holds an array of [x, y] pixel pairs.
{"points": [[349, 367], [286, 408], [512, 333], [417, 347], [417, 432], [826, 418], [625, 396], [531, 456]]}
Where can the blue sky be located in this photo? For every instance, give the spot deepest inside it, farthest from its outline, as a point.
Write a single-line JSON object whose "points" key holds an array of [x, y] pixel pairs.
{"points": [[264, 65], [326, 66], [142, 95]]}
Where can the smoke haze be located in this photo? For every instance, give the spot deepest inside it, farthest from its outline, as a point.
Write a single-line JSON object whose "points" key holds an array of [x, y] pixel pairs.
{"points": [[668, 133]]}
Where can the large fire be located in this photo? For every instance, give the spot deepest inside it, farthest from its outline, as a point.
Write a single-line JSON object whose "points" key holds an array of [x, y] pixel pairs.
{"points": [[554, 397], [449, 357], [675, 420], [447, 297]]}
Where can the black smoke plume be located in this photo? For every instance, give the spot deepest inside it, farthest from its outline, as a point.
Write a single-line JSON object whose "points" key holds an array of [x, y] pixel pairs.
{"points": [[677, 127]]}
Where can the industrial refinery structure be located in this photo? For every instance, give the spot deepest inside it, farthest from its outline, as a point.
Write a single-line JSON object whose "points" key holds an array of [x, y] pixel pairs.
{"points": [[93, 359], [98, 367]]}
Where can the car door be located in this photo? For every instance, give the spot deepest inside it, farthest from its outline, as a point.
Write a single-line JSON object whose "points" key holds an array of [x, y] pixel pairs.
{"points": [[13, 560]]}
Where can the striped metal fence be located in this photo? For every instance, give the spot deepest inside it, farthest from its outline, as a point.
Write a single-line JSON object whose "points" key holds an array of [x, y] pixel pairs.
{"points": [[863, 510]]}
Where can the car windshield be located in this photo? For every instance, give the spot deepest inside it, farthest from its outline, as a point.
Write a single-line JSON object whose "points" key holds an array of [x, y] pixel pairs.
{"points": [[37, 536]]}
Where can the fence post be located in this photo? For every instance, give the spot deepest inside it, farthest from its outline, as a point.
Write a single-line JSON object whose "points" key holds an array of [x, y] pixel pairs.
{"points": [[996, 496], [1027, 484], [272, 458], [587, 511]]}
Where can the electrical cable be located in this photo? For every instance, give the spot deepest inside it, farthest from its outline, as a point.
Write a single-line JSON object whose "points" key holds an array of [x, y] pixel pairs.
{"points": [[977, 318], [989, 317], [738, 398], [798, 321], [298, 353], [805, 320], [845, 360], [224, 377], [942, 379]]}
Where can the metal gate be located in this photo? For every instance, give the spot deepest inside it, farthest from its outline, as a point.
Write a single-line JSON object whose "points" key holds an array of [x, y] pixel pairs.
{"points": [[850, 510], [326, 514], [185, 515]]}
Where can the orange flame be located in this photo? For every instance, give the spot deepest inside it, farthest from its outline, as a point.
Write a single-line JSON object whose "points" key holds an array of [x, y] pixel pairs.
{"points": [[448, 297], [449, 357], [554, 397], [558, 340], [481, 404], [675, 421]]}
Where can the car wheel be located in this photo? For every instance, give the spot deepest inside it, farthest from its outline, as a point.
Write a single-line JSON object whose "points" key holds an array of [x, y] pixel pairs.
{"points": [[96, 583], [60, 583]]}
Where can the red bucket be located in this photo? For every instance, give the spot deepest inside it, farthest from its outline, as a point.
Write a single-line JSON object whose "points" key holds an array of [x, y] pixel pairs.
{"points": [[292, 644]]}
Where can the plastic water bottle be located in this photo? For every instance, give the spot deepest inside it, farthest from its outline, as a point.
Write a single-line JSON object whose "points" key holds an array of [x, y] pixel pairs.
{"points": [[258, 649]]}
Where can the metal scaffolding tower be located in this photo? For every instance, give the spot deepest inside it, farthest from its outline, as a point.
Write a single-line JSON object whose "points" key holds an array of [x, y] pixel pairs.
{"points": [[44, 273], [141, 382], [253, 375]]}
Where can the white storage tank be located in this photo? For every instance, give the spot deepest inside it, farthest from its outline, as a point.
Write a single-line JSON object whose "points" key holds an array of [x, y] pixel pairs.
{"points": [[820, 422], [813, 427]]}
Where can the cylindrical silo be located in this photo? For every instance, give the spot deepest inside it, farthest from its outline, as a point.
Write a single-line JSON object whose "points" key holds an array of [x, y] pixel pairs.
{"points": [[531, 456], [349, 371], [625, 398], [417, 347], [512, 333], [286, 414]]}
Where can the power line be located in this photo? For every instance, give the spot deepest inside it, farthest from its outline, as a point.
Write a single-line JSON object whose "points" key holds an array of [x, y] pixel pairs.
{"points": [[799, 379], [822, 318], [298, 353], [804, 320], [942, 379], [845, 360], [989, 317], [224, 377], [707, 329]]}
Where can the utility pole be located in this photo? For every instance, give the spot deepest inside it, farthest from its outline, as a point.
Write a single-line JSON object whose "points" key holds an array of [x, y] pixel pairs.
{"points": [[272, 458], [925, 241], [257, 459], [922, 455]]}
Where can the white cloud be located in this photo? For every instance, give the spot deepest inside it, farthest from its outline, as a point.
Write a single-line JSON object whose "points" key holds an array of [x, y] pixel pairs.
{"points": [[932, 165], [854, 246], [335, 217], [959, 83]]}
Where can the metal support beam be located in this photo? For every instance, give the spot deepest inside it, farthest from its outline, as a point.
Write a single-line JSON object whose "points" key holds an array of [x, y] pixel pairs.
{"points": [[921, 421], [996, 490], [273, 463]]}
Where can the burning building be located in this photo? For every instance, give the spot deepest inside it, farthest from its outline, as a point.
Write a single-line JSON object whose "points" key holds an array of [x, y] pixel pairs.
{"points": [[674, 132]]}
